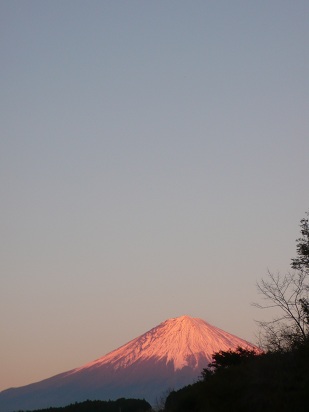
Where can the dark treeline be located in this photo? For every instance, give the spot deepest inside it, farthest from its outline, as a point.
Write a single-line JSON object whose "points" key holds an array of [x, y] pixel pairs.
{"points": [[120, 405], [278, 378], [274, 381]]}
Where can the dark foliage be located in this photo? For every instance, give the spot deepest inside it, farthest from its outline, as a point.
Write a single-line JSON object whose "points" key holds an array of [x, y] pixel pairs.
{"points": [[289, 294], [224, 359], [268, 382], [302, 248], [120, 405], [278, 380]]}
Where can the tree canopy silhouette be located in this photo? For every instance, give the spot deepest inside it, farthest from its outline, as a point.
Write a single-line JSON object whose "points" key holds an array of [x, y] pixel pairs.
{"points": [[289, 293]]}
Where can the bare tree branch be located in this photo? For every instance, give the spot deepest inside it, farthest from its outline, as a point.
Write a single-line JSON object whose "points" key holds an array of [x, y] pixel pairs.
{"points": [[290, 294]]}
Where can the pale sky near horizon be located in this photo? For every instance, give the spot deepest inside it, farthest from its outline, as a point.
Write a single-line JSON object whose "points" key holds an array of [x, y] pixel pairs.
{"points": [[153, 163]]}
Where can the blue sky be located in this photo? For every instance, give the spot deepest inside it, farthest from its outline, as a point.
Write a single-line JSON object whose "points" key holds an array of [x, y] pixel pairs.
{"points": [[153, 163]]}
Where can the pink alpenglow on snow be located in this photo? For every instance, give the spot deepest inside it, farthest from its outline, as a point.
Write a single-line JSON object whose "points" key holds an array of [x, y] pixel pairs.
{"points": [[181, 341], [169, 356]]}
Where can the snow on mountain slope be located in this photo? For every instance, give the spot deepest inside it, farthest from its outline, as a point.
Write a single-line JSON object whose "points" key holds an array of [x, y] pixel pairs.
{"points": [[175, 340], [169, 356]]}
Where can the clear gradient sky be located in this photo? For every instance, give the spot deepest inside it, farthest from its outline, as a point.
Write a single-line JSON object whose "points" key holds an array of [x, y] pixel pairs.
{"points": [[154, 162]]}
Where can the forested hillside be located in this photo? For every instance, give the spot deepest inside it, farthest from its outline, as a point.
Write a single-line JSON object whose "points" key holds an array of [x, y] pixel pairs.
{"points": [[275, 380], [120, 405]]}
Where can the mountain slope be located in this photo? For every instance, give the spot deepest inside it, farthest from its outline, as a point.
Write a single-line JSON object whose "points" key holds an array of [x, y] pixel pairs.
{"points": [[168, 356]]}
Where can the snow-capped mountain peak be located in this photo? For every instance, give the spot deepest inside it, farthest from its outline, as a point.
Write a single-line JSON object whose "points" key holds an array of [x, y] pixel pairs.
{"points": [[170, 355], [182, 341]]}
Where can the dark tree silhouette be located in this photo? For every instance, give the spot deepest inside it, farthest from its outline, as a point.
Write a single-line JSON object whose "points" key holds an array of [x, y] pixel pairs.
{"points": [[301, 262], [290, 294], [225, 359]]}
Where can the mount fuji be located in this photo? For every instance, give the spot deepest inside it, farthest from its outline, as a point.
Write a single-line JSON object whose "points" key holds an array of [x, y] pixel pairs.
{"points": [[169, 356]]}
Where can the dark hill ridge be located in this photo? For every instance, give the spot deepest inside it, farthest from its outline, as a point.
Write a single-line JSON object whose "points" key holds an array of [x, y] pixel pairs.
{"points": [[171, 355], [122, 404]]}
